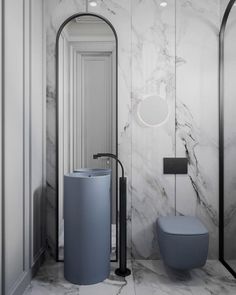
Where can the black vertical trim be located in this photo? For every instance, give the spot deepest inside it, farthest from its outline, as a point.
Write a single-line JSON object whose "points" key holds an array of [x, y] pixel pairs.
{"points": [[221, 136], [57, 118], [23, 135], [3, 147], [175, 105]]}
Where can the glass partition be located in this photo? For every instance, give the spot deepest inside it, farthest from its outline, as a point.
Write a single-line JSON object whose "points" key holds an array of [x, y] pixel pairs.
{"points": [[228, 138]]}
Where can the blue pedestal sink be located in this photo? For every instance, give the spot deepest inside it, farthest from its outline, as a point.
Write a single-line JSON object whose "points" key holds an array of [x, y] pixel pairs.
{"points": [[87, 219]]}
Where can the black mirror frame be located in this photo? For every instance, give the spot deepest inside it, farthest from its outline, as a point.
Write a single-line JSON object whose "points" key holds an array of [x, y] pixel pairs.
{"points": [[77, 15]]}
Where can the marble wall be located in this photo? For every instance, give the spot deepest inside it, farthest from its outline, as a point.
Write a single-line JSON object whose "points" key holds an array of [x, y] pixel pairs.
{"points": [[197, 25], [153, 71], [171, 52]]}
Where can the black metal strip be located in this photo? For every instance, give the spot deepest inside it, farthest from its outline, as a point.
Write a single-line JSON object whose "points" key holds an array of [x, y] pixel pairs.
{"points": [[221, 136], [3, 266]]}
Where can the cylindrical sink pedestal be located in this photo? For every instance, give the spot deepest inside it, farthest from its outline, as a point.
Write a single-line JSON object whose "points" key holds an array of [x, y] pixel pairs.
{"points": [[87, 226]]}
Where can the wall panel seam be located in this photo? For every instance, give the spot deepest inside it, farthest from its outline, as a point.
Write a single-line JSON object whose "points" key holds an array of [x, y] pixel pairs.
{"points": [[3, 147], [1, 159]]}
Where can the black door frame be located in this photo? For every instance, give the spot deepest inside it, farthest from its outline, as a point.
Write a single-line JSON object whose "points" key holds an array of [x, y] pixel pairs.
{"points": [[221, 137]]}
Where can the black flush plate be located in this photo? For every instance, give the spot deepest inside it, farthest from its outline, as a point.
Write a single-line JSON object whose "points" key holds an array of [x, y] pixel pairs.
{"points": [[175, 165]]}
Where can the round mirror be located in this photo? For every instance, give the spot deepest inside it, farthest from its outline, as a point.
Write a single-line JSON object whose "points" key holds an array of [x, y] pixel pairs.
{"points": [[153, 111]]}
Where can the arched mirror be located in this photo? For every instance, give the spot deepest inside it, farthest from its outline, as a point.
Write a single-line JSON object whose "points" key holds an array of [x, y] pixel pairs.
{"points": [[87, 106]]}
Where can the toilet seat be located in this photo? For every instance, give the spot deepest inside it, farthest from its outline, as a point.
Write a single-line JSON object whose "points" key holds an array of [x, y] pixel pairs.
{"points": [[182, 225]]}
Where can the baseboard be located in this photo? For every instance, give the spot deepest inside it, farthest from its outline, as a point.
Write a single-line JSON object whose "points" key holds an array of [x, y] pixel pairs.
{"points": [[38, 261], [25, 279]]}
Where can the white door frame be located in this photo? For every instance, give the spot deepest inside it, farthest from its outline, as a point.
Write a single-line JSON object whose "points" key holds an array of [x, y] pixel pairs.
{"points": [[79, 148], [77, 49], [98, 46]]}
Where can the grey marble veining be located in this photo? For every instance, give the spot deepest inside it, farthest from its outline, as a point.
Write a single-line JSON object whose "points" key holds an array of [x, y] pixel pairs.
{"points": [[173, 52], [197, 25], [50, 280], [147, 278], [152, 277], [118, 13], [153, 73]]}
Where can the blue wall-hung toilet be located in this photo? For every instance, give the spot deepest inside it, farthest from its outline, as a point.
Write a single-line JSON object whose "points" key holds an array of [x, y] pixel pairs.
{"points": [[183, 242]]}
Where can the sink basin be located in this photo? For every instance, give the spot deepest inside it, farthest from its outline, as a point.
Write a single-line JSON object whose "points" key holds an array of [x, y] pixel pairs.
{"points": [[87, 220], [91, 172]]}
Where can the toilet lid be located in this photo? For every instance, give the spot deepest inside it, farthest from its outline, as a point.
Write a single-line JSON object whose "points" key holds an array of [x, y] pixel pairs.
{"points": [[181, 225]]}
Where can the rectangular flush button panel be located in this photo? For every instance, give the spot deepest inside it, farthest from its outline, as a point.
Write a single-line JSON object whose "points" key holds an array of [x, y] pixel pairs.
{"points": [[175, 165]]}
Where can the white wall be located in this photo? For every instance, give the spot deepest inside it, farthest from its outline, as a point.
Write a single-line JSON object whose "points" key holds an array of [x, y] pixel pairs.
{"points": [[23, 146]]}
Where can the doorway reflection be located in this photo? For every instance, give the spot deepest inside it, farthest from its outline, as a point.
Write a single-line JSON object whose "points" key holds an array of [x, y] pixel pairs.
{"points": [[87, 114]]}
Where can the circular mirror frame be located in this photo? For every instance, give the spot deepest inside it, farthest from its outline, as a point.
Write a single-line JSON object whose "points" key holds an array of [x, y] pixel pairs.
{"points": [[142, 121]]}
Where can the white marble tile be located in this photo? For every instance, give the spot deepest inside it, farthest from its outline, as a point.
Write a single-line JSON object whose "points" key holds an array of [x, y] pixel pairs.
{"points": [[152, 277], [197, 24], [50, 280], [118, 12], [147, 44], [153, 73], [231, 263], [149, 277]]}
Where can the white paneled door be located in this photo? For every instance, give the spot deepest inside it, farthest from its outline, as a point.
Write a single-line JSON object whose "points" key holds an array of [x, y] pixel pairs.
{"points": [[95, 128], [95, 134]]}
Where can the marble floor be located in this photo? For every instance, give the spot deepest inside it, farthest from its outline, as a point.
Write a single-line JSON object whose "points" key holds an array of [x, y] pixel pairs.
{"points": [[231, 263], [149, 277]]}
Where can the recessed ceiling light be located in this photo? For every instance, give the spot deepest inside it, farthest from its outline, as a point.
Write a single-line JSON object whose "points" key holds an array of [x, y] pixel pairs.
{"points": [[163, 4], [93, 3]]}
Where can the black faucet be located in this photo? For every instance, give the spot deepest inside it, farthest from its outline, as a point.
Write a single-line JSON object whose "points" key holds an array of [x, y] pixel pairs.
{"points": [[122, 271], [99, 155]]}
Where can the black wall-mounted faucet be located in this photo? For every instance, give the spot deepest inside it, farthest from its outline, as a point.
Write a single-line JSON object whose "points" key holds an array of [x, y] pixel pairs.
{"points": [[122, 271]]}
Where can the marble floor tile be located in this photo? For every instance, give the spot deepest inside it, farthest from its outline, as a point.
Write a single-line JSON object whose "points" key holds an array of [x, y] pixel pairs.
{"points": [[152, 277], [149, 277], [231, 263], [50, 281]]}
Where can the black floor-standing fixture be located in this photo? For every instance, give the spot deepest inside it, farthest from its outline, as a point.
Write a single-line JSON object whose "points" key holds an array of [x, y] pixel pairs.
{"points": [[122, 271]]}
